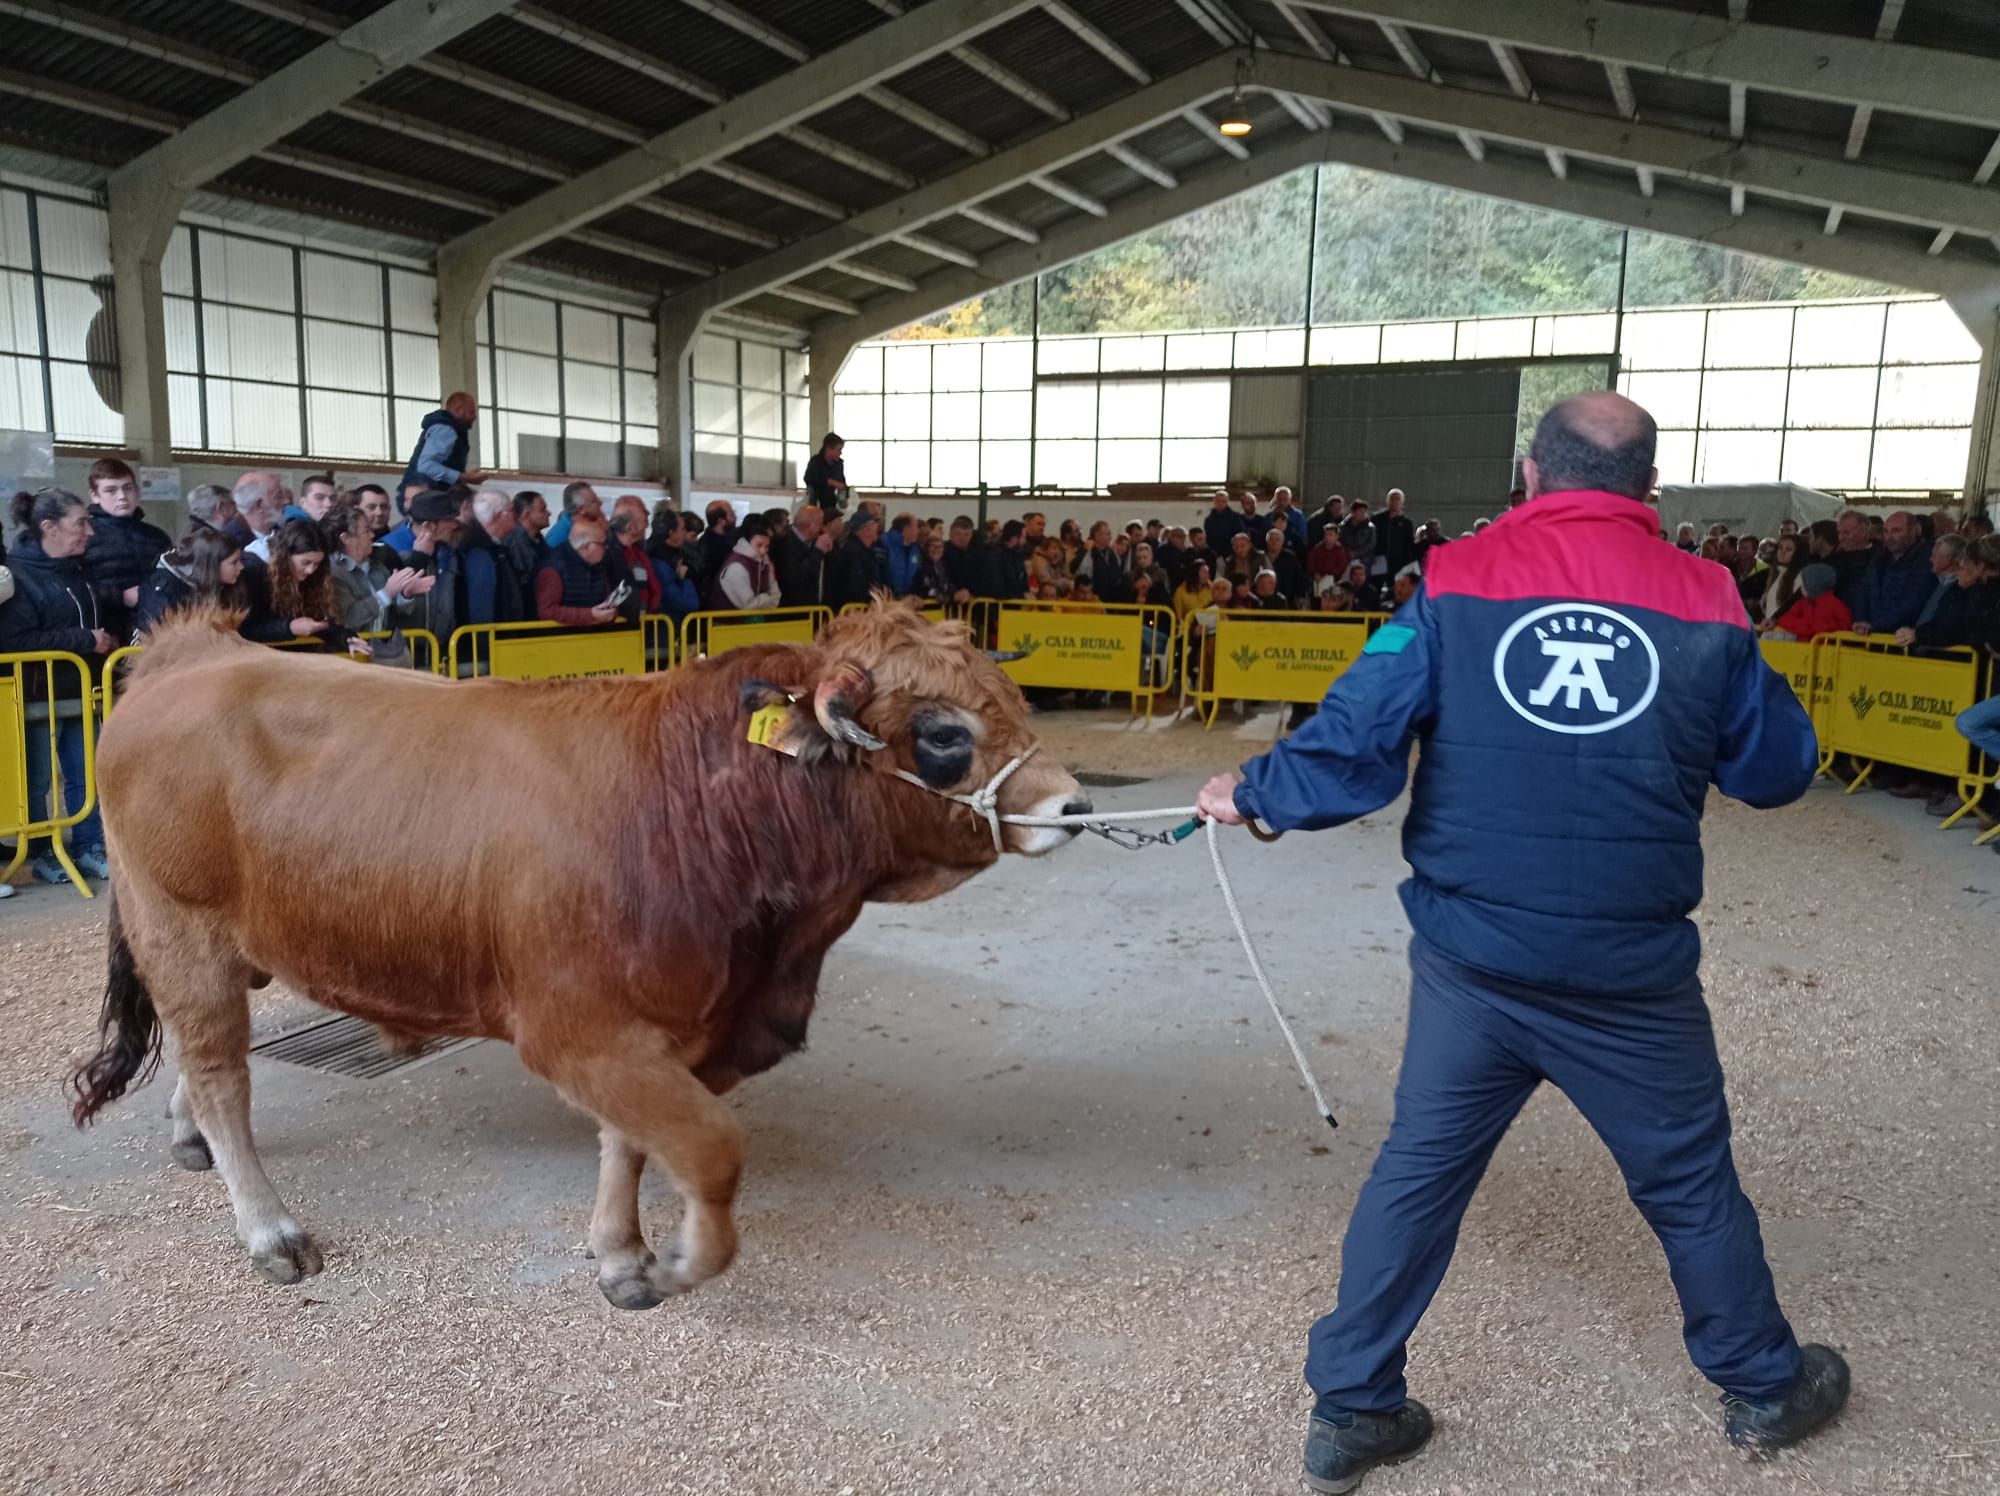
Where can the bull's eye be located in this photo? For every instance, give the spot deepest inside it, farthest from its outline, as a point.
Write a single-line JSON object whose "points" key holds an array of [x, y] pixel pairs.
{"points": [[943, 751], [947, 737]]}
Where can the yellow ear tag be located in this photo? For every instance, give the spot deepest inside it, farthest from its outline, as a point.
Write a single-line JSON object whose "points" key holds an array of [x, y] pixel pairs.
{"points": [[766, 724]]}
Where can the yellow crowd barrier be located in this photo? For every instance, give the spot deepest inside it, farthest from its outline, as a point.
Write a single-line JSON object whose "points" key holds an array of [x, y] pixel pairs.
{"points": [[1886, 705], [1288, 655], [714, 632], [663, 641], [1127, 648], [36, 703], [542, 651]]}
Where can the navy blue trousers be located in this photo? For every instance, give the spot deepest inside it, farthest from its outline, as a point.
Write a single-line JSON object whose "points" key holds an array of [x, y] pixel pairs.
{"points": [[1645, 1075]]}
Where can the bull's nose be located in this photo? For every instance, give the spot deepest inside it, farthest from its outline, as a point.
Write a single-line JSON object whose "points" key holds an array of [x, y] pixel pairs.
{"points": [[1080, 806]]}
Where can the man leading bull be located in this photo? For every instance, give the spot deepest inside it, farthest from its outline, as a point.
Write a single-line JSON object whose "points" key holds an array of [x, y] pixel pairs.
{"points": [[1552, 943]]}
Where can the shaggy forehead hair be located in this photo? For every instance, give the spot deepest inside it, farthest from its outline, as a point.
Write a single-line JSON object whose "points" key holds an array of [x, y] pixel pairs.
{"points": [[914, 658]]}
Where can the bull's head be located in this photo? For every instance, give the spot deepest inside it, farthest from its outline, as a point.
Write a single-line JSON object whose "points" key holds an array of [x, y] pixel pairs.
{"points": [[896, 690]]}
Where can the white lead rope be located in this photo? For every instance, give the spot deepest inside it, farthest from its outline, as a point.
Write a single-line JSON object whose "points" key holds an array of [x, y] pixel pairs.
{"points": [[985, 802]]}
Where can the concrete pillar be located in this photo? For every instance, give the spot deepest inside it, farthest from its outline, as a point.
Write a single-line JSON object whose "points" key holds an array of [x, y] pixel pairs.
{"points": [[142, 211], [1982, 466], [678, 325], [462, 285], [827, 357]]}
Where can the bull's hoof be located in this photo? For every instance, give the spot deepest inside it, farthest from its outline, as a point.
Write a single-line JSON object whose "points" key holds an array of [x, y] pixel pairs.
{"points": [[630, 1293], [646, 1287], [192, 1154], [288, 1257]]}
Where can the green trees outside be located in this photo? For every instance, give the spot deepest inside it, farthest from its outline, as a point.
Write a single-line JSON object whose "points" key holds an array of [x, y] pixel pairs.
{"points": [[1388, 249]]}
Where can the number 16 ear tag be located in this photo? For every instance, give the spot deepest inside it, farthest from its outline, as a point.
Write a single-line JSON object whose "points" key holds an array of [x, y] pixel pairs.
{"points": [[767, 728]]}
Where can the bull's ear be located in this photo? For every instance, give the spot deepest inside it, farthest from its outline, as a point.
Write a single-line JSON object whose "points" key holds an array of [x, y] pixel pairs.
{"points": [[758, 694], [836, 699]]}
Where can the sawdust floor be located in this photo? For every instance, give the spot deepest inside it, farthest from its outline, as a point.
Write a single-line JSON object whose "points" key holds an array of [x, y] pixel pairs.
{"points": [[1043, 1209]]}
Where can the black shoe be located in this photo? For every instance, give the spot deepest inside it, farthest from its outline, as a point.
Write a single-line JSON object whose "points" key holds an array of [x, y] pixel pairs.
{"points": [[1818, 1392], [1343, 1446]]}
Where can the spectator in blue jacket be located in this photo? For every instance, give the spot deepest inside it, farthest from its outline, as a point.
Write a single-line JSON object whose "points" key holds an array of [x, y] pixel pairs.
{"points": [[444, 443], [1220, 525], [674, 564], [903, 549], [1564, 673], [1899, 580], [578, 499]]}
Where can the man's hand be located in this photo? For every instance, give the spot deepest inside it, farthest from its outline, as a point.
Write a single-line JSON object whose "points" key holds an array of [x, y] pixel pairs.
{"points": [[605, 611], [131, 596], [1861, 626], [1217, 800], [1906, 636], [473, 475]]}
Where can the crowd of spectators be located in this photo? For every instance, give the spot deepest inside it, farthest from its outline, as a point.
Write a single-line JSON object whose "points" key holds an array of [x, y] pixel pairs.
{"points": [[352, 569]]}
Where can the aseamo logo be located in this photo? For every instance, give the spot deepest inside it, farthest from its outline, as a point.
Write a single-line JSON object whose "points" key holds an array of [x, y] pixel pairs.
{"points": [[1577, 668]]}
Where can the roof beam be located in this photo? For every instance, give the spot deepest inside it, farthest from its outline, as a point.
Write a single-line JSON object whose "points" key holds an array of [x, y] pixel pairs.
{"points": [[703, 141], [1131, 160], [1057, 188], [1206, 127], [1795, 175], [1885, 30], [937, 249], [1103, 45], [963, 191], [1322, 46], [1013, 228], [1926, 81], [862, 270]]}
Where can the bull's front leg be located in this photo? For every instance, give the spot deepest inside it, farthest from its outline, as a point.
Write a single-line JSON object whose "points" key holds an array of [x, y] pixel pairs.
{"points": [[625, 1263], [649, 1105]]}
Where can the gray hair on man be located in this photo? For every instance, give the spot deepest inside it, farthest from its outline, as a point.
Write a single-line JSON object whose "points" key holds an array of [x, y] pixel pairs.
{"points": [[1954, 547], [253, 489], [489, 503], [204, 499]]}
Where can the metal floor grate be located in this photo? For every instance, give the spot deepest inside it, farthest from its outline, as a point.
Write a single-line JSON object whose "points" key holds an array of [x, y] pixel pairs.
{"points": [[343, 1045]]}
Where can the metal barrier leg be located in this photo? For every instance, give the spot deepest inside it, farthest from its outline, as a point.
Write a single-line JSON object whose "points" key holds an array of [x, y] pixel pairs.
{"points": [[1861, 778]]}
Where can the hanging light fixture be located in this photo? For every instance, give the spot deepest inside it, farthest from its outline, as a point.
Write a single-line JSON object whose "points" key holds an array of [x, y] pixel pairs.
{"points": [[1236, 118]]}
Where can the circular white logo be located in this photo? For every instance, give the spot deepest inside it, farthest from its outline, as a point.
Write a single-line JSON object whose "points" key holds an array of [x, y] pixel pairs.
{"points": [[1576, 668]]}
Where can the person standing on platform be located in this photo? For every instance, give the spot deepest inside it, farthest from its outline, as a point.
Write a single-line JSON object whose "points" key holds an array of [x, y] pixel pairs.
{"points": [[1563, 644], [826, 476]]}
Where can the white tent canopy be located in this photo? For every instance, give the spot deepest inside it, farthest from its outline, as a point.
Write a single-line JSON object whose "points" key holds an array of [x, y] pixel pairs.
{"points": [[1746, 508]]}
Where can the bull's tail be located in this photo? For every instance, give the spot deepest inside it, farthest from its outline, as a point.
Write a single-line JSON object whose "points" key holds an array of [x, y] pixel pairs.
{"points": [[130, 1028]]}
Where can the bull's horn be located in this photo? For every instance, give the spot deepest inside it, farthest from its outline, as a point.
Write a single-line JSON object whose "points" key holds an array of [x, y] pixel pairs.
{"points": [[1006, 656], [835, 701]]}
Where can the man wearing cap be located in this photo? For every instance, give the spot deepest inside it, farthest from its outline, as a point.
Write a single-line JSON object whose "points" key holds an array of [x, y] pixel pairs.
{"points": [[1575, 688]]}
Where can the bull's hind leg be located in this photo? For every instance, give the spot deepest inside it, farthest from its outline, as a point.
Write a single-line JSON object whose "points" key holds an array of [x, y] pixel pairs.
{"points": [[650, 1105], [190, 1147], [199, 990]]}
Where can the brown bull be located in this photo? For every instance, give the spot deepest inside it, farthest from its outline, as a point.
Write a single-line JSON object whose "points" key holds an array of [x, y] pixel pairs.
{"points": [[608, 874]]}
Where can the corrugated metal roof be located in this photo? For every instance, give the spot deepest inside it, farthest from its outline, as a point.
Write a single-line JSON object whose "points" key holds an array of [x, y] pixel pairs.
{"points": [[71, 132], [220, 40]]}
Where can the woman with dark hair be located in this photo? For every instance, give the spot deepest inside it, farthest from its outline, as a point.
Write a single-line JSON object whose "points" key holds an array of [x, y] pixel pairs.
{"points": [[205, 565], [1781, 589], [300, 602], [54, 608]]}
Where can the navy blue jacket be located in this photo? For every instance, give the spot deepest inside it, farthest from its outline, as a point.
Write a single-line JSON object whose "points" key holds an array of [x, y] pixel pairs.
{"points": [[438, 459], [1895, 588], [1576, 687]]}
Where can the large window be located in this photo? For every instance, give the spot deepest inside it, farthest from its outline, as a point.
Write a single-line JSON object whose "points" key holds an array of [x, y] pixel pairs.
{"points": [[58, 352], [1854, 396], [285, 350], [572, 386], [750, 413]]}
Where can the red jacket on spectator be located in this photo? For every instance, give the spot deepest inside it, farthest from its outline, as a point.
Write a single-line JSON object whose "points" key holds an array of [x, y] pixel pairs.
{"points": [[1809, 616], [645, 581], [1327, 561]]}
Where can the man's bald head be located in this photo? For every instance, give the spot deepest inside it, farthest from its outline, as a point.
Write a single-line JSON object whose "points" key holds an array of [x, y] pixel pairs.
{"points": [[1600, 440]]}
